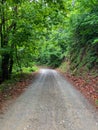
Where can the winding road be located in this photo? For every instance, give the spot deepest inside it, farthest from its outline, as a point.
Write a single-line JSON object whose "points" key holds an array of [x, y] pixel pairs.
{"points": [[50, 103]]}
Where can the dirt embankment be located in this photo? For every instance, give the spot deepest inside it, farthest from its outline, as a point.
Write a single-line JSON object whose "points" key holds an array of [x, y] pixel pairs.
{"points": [[87, 85], [13, 90]]}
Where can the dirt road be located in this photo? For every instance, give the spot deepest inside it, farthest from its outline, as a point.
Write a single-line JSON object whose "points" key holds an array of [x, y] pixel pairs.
{"points": [[50, 103]]}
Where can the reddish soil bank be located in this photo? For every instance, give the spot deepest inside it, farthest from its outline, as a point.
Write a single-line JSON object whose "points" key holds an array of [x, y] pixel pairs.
{"points": [[15, 90], [87, 86]]}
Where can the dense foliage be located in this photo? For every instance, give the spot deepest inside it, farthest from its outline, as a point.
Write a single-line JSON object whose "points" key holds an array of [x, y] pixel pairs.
{"points": [[83, 36], [48, 32]]}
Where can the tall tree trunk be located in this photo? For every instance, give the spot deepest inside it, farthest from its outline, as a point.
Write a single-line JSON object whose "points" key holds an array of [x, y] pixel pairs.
{"points": [[11, 66], [4, 43], [4, 67], [11, 62]]}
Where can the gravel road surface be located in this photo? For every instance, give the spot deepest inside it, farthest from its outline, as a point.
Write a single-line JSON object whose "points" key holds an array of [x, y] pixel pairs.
{"points": [[50, 103]]}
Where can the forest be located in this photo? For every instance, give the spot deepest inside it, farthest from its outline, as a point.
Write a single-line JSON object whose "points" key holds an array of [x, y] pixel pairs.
{"points": [[53, 33]]}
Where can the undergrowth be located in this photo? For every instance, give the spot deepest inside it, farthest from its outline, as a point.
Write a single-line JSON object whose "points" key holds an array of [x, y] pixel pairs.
{"points": [[17, 77]]}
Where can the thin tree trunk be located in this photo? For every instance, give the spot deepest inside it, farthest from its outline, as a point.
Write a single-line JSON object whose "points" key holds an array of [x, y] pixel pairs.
{"points": [[10, 66], [11, 61], [4, 43], [4, 67]]}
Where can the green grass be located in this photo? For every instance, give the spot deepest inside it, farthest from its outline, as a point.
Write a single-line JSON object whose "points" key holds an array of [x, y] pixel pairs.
{"points": [[97, 102], [64, 67], [29, 69], [9, 84]]}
